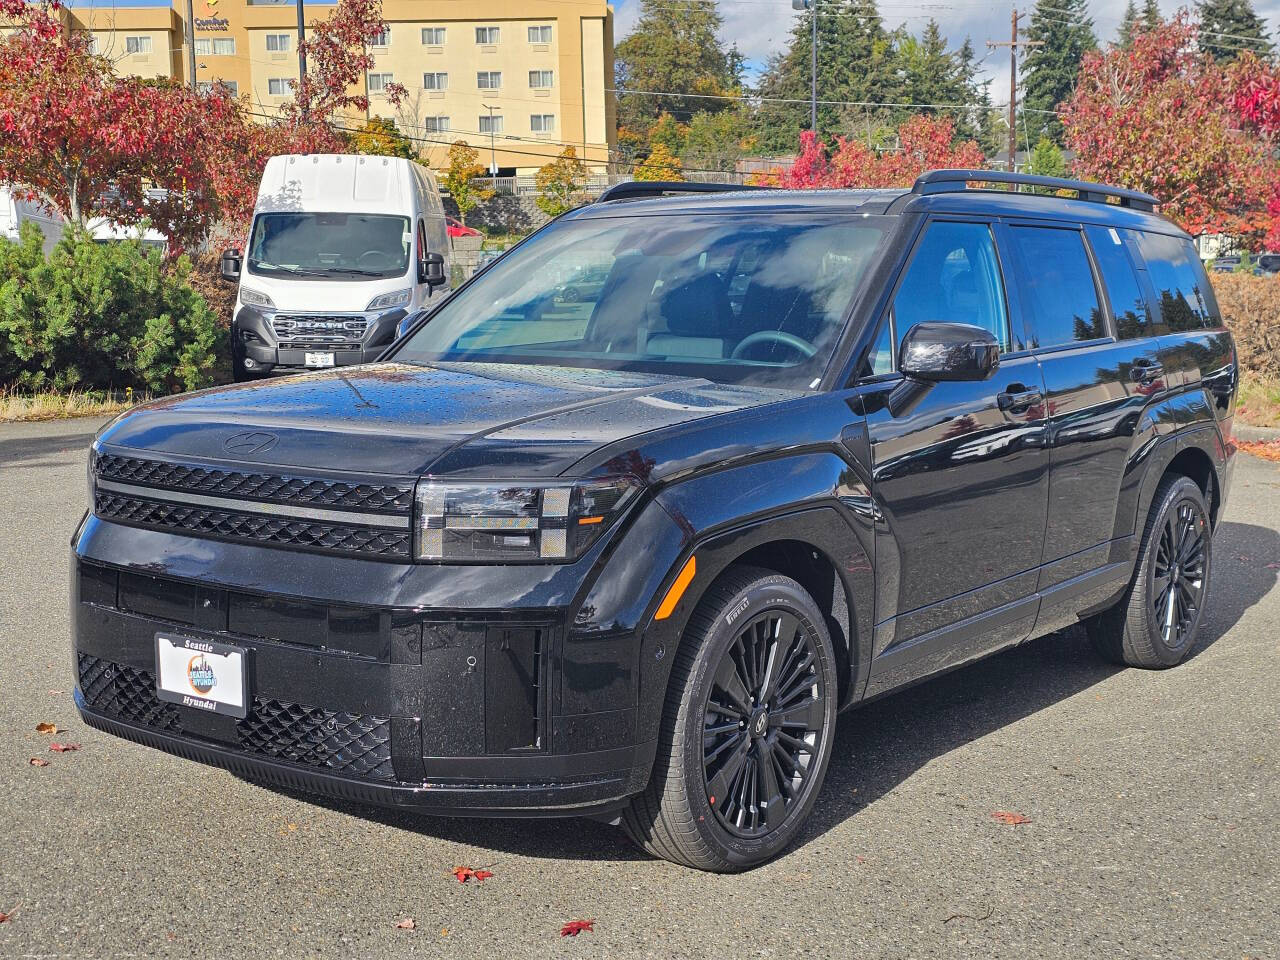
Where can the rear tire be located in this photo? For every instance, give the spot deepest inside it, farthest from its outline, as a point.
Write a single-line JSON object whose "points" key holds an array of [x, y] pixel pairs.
{"points": [[1155, 623], [747, 727]]}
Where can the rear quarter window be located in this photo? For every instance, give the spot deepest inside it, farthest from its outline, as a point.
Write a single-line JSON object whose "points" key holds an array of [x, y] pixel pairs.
{"points": [[1183, 295]]}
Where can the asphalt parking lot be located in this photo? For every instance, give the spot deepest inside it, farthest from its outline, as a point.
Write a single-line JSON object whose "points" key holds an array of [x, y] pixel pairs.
{"points": [[1152, 798]]}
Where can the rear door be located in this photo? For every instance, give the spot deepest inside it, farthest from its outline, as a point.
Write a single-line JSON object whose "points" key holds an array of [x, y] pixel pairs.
{"points": [[1086, 318], [960, 471]]}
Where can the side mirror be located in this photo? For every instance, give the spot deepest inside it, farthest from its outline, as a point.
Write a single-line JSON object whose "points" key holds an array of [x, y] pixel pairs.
{"points": [[406, 322], [935, 352], [229, 265], [431, 269]]}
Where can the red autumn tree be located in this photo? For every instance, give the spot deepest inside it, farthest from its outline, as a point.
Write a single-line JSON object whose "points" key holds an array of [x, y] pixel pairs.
{"points": [[1157, 116], [90, 144], [925, 143], [1255, 96]]}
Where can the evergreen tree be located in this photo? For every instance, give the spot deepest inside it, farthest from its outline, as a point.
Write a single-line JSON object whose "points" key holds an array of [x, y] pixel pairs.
{"points": [[855, 63], [1229, 26], [1065, 31], [675, 49], [1150, 18], [1128, 26]]}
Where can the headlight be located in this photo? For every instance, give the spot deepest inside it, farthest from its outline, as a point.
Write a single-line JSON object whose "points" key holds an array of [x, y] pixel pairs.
{"points": [[255, 299], [537, 522], [387, 300]]}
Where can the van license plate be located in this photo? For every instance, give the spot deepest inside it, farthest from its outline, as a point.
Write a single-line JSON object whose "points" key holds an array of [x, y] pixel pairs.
{"points": [[199, 673], [319, 360]]}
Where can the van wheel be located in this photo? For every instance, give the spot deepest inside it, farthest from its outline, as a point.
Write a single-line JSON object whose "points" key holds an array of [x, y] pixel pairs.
{"points": [[746, 729], [1155, 623]]}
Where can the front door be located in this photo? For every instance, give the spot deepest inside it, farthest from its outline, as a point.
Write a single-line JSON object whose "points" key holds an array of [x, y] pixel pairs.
{"points": [[960, 473]]}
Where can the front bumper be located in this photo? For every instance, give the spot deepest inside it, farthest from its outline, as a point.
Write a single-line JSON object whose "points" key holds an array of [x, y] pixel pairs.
{"points": [[444, 713], [270, 353]]}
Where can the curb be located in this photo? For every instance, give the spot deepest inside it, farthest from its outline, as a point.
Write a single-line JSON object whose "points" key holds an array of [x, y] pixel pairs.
{"points": [[1242, 431]]}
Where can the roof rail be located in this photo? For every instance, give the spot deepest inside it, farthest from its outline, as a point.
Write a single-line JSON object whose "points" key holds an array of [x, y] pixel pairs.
{"points": [[634, 189], [955, 181]]}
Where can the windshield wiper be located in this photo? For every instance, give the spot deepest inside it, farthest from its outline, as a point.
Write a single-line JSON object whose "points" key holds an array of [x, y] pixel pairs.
{"points": [[357, 272], [299, 271]]}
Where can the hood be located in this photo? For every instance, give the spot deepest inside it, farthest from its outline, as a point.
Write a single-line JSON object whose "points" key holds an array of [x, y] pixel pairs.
{"points": [[455, 419], [340, 295]]}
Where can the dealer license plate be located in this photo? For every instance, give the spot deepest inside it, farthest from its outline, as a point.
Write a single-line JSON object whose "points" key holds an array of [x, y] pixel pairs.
{"points": [[199, 673], [318, 359]]}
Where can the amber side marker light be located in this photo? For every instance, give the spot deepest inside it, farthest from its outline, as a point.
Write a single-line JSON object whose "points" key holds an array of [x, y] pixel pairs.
{"points": [[587, 521], [683, 579]]}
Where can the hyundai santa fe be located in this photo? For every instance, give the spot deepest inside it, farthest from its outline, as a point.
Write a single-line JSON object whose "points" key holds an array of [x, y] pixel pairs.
{"points": [[626, 554]]}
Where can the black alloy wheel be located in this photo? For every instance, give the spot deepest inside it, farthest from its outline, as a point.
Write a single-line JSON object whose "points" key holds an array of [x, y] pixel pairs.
{"points": [[764, 718], [1155, 621], [747, 727]]}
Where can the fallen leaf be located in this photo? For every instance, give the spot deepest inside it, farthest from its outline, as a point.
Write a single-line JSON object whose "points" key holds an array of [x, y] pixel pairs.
{"points": [[1012, 819], [1263, 449], [6, 917], [64, 747], [38, 762], [472, 873], [47, 728], [56, 692], [1273, 566], [444, 931], [482, 875], [408, 923], [575, 927]]}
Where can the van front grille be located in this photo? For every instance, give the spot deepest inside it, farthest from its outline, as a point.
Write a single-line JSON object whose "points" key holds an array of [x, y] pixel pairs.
{"points": [[319, 328]]}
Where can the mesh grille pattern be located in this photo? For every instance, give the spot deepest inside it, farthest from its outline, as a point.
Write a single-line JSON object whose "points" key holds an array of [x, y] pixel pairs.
{"points": [[341, 742], [257, 486], [366, 541]]}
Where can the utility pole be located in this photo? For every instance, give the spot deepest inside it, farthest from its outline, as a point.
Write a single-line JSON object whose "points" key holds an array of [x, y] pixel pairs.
{"points": [[1013, 45], [493, 154], [191, 43], [812, 7], [302, 38]]}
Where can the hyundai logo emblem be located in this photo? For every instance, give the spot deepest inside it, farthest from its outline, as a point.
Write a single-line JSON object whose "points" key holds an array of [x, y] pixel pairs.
{"points": [[250, 443]]}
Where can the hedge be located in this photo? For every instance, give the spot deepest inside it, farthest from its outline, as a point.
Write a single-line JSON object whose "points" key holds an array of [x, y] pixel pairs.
{"points": [[1251, 309], [102, 316]]}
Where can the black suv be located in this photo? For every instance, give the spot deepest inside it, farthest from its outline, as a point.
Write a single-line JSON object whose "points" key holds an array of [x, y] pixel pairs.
{"points": [[626, 555]]}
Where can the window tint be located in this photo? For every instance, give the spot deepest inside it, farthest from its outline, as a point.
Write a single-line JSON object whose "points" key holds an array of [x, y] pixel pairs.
{"points": [[1178, 279], [1128, 305], [880, 359], [1056, 283], [954, 278]]}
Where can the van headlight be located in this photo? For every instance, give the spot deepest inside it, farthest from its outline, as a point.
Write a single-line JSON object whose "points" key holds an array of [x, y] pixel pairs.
{"points": [[255, 299], [388, 300], [550, 521]]}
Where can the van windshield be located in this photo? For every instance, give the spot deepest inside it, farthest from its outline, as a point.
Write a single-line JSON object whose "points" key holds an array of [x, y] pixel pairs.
{"points": [[341, 246], [759, 300]]}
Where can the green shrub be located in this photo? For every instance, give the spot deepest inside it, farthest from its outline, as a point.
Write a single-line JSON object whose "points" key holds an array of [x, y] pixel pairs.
{"points": [[96, 315]]}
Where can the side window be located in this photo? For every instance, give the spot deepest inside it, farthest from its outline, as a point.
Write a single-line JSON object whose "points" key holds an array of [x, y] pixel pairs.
{"points": [[1056, 285], [954, 277], [1128, 304], [1178, 279]]}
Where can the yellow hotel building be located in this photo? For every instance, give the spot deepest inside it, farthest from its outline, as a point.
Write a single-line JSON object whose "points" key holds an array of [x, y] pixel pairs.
{"points": [[517, 80]]}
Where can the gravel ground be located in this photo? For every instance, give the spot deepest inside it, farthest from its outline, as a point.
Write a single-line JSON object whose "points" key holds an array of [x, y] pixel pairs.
{"points": [[1152, 800]]}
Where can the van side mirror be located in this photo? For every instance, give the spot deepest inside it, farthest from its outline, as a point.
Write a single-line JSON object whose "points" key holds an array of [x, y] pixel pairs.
{"points": [[935, 352], [229, 265], [431, 269]]}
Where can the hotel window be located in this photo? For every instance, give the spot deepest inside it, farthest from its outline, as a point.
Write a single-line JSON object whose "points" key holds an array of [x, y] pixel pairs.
{"points": [[279, 86], [540, 79], [204, 47], [489, 79], [435, 81], [206, 86], [486, 35], [542, 123], [137, 44], [433, 36], [491, 124], [435, 124], [540, 34], [383, 39], [224, 47], [278, 42], [378, 81]]}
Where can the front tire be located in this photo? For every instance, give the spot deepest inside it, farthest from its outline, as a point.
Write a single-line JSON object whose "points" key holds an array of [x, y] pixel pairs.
{"points": [[747, 727], [1155, 623]]}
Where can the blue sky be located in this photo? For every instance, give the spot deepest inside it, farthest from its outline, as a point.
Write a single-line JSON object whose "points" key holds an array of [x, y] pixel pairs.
{"points": [[761, 27]]}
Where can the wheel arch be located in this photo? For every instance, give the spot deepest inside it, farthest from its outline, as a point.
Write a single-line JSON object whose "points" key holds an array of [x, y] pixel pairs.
{"points": [[1195, 464]]}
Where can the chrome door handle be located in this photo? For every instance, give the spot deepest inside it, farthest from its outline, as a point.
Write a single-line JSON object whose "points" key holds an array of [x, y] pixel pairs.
{"points": [[1146, 372], [1018, 400]]}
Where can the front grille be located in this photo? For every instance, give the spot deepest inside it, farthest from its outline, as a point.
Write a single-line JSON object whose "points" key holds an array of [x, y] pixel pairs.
{"points": [[308, 736], [254, 528], [318, 327], [273, 488]]}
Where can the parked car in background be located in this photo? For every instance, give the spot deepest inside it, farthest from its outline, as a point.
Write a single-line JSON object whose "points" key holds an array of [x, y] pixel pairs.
{"points": [[1227, 264], [15, 211], [459, 229], [627, 557], [342, 248]]}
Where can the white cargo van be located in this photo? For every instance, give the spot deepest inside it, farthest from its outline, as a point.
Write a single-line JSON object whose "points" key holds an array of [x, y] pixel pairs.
{"points": [[341, 249]]}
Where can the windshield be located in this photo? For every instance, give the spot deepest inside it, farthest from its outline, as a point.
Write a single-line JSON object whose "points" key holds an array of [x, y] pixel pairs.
{"points": [[333, 245], [748, 300]]}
